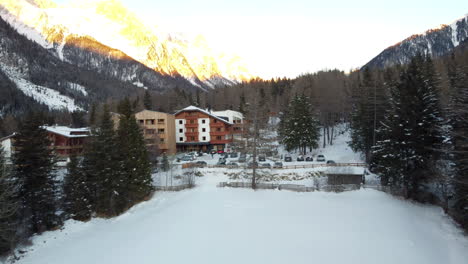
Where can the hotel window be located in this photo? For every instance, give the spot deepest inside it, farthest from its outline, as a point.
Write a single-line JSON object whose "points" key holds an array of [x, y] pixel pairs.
{"points": [[181, 131], [218, 137], [203, 121], [161, 140], [192, 130], [142, 121], [204, 138], [150, 131], [181, 139], [150, 121], [161, 131], [203, 129], [160, 121], [181, 122], [218, 129], [192, 121], [192, 138], [215, 121]]}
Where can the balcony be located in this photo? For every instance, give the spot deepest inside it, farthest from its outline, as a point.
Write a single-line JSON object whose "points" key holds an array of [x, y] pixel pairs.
{"points": [[222, 141], [191, 125], [218, 133], [217, 124], [191, 134]]}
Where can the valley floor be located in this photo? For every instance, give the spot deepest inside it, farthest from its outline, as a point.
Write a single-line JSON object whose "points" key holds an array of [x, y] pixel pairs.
{"points": [[221, 225]]}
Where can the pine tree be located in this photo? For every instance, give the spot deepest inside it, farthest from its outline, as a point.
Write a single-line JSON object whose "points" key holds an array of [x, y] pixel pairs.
{"points": [[148, 101], [101, 167], [367, 113], [298, 127], [34, 175], [135, 182], [243, 104], [76, 191], [458, 120], [165, 166], [412, 129], [8, 207], [92, 115]]}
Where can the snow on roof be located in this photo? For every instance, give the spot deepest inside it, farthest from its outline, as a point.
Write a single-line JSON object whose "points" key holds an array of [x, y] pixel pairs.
{"points": [[7, 137], [194, 108], [346, 170], [230, 114], [68, 131]]}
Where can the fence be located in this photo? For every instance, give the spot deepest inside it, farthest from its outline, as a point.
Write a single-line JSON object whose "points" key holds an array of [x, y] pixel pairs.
{"points": [[292, 187], [174, 188], [306, 166]]}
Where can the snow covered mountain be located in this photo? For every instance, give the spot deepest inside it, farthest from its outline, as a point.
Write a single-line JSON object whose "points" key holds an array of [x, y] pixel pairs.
{"points": [[79, 27], [436, 42]]}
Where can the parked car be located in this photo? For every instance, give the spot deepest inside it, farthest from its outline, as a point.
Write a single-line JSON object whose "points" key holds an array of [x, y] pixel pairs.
{"points": [[233, 155], [225, 155], [242, 159], [221, 161], [201, 163], [309, 158], [278, 165], [331, 162], [320, 158], [261, 158], [266, 165], [287, 158], [232, 164], [300, 158], [243, 155], [252, 164], [187, 158]]}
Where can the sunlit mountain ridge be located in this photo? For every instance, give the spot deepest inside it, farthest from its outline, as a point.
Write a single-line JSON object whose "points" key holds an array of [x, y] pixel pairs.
{"points": [[112, 24]]}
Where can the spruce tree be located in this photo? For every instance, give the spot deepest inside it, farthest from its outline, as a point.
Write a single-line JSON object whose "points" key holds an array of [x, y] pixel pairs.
{"points": [[34, 175], [458, 120], [148, 101], [135, 182], [8, 207], [101, 167], [298, 127], [411, 131], [76, 191]]}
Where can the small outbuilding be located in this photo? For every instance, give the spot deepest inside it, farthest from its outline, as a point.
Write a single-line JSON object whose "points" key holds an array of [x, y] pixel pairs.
{"points": [[345, 175]]}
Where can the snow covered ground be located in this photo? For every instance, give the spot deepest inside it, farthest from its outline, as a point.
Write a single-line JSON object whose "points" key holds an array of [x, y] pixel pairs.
{"points": [[208, 224], [223, 225]]}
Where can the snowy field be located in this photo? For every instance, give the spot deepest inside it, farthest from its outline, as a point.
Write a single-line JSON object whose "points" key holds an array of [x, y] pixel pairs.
{"points": [[221, 225], [212, 225]]}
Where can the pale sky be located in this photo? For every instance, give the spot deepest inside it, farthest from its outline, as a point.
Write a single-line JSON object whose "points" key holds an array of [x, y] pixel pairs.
{"points": [[290, 37]]}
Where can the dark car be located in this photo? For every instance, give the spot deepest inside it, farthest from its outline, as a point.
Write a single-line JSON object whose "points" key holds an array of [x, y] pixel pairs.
{"points": [[201, 163], [309, 158], [221, 161], [243, 155], [288, 158], [233, 155], [252, 164], [278, 165], [331, 162], [300, 158], [261, 158], [266, 165], [242, 159]]}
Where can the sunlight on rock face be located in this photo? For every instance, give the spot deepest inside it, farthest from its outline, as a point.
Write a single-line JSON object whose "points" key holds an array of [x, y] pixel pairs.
{"points": [[112, 24]]}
